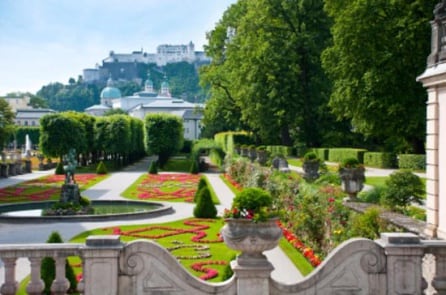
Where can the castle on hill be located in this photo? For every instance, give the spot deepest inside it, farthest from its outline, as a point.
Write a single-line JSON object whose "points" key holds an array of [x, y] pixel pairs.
{"points": [[126, 66]]}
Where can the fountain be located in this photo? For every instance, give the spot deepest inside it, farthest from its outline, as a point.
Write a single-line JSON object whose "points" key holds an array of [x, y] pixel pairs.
{"points": [[27, 154]]}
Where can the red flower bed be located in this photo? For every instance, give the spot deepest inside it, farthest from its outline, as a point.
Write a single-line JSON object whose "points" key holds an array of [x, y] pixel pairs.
{"points": [[198, 228], [165, 187], [41, 189], [232, 182], [306, 251]]}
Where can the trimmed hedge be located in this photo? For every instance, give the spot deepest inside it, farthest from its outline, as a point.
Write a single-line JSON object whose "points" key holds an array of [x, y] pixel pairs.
{"points": [[217, 157], [412, 161], [340, 154], [279, 149], [380, 160], [228, 140], [322, 153]]}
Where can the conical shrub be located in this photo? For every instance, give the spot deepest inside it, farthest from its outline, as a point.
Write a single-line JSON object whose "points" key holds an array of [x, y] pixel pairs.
{"points": [[101, 169], [153, 169], [205, 208], [48, 267], [201, 184], [194, 167], [59, 169]]}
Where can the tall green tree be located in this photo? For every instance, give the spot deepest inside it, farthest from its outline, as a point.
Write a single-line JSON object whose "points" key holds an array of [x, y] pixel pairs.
{"points": [[379, 47], [164, 135], [271, 60], [7, 125], [59, 133]]}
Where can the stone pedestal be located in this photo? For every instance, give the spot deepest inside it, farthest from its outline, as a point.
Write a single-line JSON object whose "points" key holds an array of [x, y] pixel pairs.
{"points": [[70, 193], [252, 280]]}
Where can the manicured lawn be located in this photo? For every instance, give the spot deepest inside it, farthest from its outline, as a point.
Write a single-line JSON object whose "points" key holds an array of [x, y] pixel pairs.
{"points": [[173, 187], [44, 188], [296, 257], [376, 180], [193, 241]]}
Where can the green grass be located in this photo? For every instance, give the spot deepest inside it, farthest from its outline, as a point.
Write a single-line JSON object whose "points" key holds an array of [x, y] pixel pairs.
{"points": [[295, 162], [376, 180], [296, 257]]}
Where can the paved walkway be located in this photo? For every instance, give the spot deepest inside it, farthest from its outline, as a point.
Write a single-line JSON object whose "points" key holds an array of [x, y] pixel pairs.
{"points": [[111, 188]]}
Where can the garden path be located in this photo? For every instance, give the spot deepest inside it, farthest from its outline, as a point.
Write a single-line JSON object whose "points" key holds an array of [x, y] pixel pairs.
{"points": [[111, 188]]}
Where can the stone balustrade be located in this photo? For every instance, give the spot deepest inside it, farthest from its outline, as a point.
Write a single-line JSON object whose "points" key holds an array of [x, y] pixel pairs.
{"points": [[391, 265]]}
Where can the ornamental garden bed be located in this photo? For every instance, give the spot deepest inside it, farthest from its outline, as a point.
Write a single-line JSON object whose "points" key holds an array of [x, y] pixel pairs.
{"points": [[44, 188], [172, 187], [196, 243]]}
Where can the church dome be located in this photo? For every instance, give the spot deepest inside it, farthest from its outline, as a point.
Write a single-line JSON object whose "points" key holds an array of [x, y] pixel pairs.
{"points": [[110, 91]]}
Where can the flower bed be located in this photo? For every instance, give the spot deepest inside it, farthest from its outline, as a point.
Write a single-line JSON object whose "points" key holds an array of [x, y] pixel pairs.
{"points": [[166, 187], [44, 188], [196, 243]]}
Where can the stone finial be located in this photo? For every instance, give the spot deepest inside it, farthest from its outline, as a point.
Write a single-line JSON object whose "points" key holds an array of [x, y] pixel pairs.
{"points": [[438, 42]]}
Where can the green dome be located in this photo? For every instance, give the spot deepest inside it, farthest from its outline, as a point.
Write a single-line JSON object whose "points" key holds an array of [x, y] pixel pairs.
{"points": [[110, 91]]}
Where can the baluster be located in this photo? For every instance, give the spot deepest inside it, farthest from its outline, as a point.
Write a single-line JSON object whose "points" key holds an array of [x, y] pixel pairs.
{"points": [[36, 285], [60, 284], [439, 281], [10, 285]]}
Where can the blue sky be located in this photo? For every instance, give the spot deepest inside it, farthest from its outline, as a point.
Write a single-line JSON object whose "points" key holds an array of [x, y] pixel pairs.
{"points": [[44, 41]]}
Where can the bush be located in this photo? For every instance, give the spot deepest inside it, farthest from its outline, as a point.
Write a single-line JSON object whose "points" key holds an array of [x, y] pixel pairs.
{"points": [[350, 163], [311, 156], [374, 195], [368, 225], [322, 153], [252, 198], [84, 201], [194, 169], [412, 162], [201, 184], [153, 169], [48, 268], [403, 188], [205, 208], [101, 169], [59, 169]]}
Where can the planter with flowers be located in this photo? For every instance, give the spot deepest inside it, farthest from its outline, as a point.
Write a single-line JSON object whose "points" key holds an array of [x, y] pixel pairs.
{"points": [[251, 226], [352, 175]]}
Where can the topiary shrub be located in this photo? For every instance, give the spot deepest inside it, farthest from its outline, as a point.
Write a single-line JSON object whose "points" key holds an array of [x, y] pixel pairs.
{"points": [[205, 208], [153, 169], [201, 184], [403, 188], [59, 169], [194, 169], [374, 195], [101, 169], [48, 268]]}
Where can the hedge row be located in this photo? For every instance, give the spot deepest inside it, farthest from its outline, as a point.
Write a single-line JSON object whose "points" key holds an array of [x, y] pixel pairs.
{"points": [[411, 161], [339, 154], [380, 160], [373, 159], [280, 149]]}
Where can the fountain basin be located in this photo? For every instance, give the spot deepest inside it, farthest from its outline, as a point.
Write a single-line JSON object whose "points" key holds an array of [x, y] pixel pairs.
{"points": [[29, 212]]}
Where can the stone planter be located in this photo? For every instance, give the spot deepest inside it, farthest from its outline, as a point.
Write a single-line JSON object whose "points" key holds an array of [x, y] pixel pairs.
{"points": [[262, 157], [11, 169], [251, 239], [352, 181], [244, 152], [311, 169], [252, 154], [28, 167], [237, 150], [4, 170]]}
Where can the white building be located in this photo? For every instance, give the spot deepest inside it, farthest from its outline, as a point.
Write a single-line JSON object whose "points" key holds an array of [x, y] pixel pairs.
{"points": [[148, 101], [31, 117]]}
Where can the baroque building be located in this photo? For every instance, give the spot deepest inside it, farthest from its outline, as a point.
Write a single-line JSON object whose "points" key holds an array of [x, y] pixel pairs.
{"points": [[148, 101]]}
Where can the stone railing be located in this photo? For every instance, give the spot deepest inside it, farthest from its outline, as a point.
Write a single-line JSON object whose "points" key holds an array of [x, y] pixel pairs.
{"points": [[390, 265]]}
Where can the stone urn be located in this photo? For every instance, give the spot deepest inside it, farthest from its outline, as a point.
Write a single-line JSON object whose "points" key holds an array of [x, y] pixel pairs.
{"points": [[251, 238], [311, 169], [352, 181], [262, 157]]}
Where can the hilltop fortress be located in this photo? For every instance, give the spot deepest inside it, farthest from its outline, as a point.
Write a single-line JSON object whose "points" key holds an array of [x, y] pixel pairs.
{"points": [[126, 66]]}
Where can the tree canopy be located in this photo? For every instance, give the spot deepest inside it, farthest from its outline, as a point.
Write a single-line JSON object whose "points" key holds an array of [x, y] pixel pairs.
{"points": [[266, 65], [379, 47]]}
